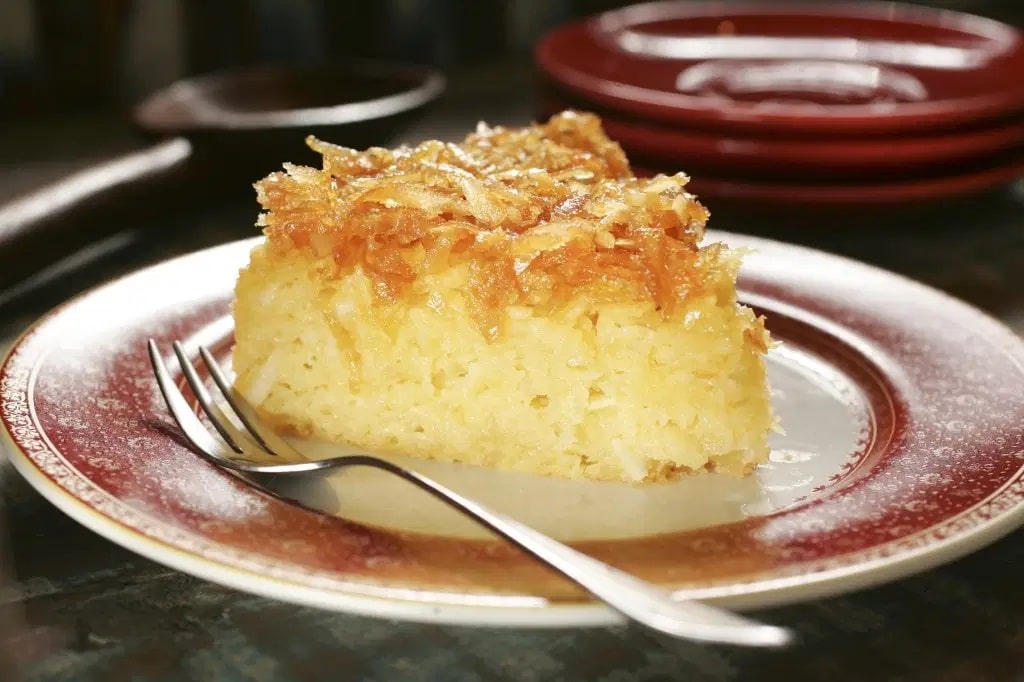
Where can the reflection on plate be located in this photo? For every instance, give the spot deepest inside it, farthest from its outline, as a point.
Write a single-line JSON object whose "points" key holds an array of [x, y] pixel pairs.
{"points": [[847, 68], [903, 448]]}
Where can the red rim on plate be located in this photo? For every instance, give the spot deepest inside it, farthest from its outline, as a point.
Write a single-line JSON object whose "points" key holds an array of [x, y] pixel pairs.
{"points": [[851, 194], [749, 155], [936, 471], [841, 68]]}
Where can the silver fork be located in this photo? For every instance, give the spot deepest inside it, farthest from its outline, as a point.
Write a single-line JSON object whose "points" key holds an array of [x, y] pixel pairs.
{"points": [[636, 599]]}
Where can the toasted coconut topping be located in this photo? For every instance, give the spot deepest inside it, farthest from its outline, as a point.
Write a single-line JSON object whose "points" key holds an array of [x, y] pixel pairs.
{"points": [[539, 213]]}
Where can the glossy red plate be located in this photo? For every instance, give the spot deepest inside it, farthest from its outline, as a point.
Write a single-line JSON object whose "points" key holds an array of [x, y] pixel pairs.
{"points": [[852, 194], [904, 448], [836, 158], [812, 67]]}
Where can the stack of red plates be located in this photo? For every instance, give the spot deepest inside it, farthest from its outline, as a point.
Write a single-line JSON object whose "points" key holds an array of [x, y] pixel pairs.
{"points": [[809, 103]]}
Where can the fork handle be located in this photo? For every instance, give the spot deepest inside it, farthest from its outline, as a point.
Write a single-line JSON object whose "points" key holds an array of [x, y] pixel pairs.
{"points": [[635, 598]]}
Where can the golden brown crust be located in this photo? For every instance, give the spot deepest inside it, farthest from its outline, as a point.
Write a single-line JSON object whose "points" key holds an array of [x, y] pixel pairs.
{"points": [[538, 212]]}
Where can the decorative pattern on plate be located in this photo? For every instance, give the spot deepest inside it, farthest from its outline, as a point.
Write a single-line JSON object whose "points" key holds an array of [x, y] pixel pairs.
{"points": [[940, 473]]}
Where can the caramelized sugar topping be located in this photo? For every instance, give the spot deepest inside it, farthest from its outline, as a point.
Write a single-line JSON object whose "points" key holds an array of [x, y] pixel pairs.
{"points": [[539, 212]]}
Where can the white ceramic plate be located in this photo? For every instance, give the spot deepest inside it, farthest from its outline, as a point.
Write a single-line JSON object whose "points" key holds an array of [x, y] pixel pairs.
{"points": [[904, 448]]}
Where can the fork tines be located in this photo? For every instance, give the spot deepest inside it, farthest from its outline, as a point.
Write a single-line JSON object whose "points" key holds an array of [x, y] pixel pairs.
{"points": [[233, 419]]}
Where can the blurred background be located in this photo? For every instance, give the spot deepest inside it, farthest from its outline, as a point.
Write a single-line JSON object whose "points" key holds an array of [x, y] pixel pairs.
{"points": [[71, 69], [63, 60], [65, 57]]}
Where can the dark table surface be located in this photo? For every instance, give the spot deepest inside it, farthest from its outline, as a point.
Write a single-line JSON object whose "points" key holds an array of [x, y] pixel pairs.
{"points": [[75, 607]]}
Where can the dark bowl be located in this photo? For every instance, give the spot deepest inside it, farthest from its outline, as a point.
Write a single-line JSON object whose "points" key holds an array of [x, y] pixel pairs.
{"points": [[257, 118]]}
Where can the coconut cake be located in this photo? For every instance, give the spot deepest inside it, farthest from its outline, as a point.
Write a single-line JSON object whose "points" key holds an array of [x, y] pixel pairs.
{"points": [[518, 300]]}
